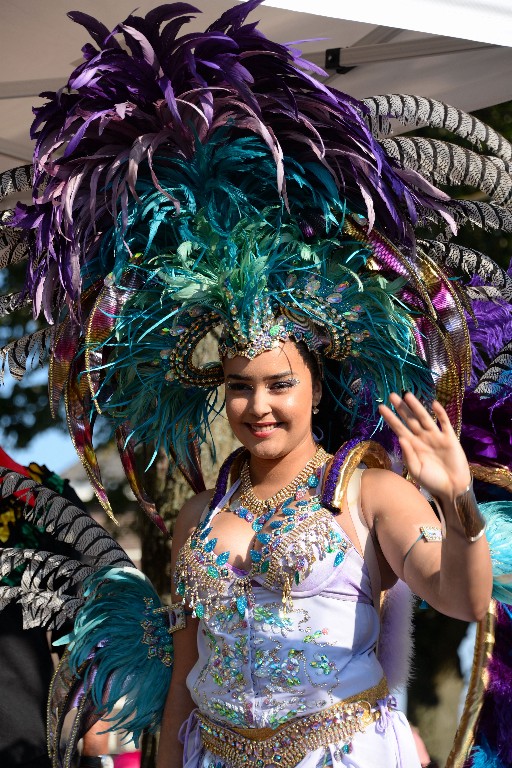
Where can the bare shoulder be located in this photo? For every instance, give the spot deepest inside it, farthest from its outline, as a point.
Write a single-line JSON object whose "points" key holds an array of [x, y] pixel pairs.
{"points": [[384, 478], [190, 514], [385, 491]]}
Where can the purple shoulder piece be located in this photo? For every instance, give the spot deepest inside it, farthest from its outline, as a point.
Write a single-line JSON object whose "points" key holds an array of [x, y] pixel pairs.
{"points": [[221, 485], [334, 470]]}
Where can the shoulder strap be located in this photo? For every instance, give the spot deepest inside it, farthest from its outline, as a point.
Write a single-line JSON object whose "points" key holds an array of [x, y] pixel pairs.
{"points": [[222, 502], [363, 534]]}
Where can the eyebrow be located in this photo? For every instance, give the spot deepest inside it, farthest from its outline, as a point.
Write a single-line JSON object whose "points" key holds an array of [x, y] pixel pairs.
{"points": [[274, 377]]}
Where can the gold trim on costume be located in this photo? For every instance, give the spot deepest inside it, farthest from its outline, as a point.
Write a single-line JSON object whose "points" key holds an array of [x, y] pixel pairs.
{"points": [[289, 743], [367, 452], [465, 736]]}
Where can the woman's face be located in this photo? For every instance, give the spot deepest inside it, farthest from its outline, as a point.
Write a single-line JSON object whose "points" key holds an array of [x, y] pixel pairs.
{"points": [[269, 400]]}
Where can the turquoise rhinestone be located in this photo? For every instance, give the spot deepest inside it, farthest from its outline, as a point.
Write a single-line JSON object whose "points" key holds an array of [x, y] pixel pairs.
{"points": [[339, 558], [241, 604], [222, 559]]}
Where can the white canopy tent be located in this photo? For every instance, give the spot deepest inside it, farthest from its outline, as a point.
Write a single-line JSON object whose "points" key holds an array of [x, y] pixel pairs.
{"points": [[489, 21], [453, 50]]}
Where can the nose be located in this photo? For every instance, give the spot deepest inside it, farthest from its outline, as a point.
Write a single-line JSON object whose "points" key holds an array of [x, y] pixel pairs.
{"points": [[259, 403]]}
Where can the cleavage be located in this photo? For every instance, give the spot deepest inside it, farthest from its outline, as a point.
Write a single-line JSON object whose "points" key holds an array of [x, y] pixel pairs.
{"points": [[238, 537]]}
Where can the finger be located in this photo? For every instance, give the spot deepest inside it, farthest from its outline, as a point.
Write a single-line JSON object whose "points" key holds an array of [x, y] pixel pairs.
{"points": [[419, 411], [408, 415], [392, 420], [410, 457]]}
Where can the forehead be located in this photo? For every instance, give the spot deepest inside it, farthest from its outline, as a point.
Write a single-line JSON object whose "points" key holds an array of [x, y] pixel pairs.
{"points": [[283, 359]]}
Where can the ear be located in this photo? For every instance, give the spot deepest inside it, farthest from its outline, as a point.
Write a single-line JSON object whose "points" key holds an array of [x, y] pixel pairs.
{"points": [[317, 391]]}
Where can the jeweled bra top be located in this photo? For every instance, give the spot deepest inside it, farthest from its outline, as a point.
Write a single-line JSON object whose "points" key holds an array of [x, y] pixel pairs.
{"points": [[297, 533]]}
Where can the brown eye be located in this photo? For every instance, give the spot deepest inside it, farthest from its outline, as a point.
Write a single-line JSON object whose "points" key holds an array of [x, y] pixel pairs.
{"points": [[283, 385]]}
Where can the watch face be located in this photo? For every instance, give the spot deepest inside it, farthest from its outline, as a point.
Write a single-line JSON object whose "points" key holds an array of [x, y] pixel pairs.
{"points": [[107, 761]]}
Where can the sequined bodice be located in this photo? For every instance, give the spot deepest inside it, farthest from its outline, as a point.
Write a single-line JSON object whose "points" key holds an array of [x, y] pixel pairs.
{"points": [[262, 662], [286, 546]]}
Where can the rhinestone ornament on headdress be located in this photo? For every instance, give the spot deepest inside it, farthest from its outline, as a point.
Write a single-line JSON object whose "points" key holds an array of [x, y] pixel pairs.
{"points": [[272, 323]]}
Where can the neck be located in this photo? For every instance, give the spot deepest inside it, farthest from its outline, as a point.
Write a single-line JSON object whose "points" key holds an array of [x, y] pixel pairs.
{"points": [[270, 475]]}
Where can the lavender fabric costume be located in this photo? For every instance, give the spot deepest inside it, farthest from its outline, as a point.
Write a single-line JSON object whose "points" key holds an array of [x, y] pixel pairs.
{"points": [[272, 666]]}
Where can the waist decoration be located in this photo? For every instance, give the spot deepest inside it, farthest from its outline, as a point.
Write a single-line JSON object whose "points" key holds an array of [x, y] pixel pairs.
{"points": [[288, 744]]}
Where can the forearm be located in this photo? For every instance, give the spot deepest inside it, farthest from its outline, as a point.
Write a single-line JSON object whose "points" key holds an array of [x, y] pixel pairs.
{"points": [[462, 584], [465, 578], [177, 709]]}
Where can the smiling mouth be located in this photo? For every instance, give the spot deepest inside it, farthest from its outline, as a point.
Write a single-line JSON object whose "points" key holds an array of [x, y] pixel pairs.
{"points": [[264, 429]]}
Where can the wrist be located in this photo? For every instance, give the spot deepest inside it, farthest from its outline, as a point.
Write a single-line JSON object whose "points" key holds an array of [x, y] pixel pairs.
{"points": [[462, 513]]}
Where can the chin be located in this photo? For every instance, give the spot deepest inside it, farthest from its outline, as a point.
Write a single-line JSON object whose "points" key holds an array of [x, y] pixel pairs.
{"points": [[268, 447]]}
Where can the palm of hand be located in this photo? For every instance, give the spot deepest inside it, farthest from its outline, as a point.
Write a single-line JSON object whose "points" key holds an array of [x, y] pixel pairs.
{"points": [[432, 452]]}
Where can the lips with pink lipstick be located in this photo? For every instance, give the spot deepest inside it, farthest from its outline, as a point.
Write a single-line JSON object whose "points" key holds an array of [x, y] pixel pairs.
{"points": [[264, 428]]}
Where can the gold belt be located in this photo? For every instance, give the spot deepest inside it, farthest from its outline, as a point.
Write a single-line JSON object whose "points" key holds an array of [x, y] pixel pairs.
{"points": [[289, 743]]}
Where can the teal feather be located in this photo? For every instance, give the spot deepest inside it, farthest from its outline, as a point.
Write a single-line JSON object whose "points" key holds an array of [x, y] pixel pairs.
{"points": [[227, 180], [214, 235], [122, 658], [209, 271], [498, 516], [484, 757]]}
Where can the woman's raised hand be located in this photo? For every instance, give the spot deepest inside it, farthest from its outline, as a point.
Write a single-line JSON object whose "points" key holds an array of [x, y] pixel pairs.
{"points": [[431, 451]]}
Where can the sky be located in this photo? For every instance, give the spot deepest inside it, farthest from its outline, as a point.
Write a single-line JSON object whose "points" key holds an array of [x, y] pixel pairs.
{"points": [[53, 447]]}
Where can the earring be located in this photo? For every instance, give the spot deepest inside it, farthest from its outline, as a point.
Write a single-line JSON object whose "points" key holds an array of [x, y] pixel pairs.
{"points": [[315, 410]]}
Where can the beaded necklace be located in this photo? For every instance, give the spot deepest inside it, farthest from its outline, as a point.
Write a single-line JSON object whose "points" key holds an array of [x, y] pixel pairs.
{"points": [[307, 477]]}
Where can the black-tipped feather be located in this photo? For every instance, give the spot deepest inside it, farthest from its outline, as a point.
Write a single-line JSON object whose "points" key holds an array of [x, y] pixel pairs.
{"points": [[491, 383], [446, 163], [418, 110], [17, 354], [16, 180], [463, 260], [67, 523]]}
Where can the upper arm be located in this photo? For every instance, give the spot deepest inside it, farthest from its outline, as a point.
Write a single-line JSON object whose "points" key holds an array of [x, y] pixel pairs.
{"points": [[395, 511], [185, 640], [186, 522]]}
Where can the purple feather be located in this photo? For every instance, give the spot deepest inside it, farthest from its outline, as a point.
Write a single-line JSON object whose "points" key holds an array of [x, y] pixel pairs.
{"points": [[486, 434], [163, 92], [490, 330], [494, 723]]}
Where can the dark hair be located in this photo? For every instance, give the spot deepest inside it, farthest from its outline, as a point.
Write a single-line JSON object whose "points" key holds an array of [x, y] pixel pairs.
{"points": [[332, 421], [311, 360]]}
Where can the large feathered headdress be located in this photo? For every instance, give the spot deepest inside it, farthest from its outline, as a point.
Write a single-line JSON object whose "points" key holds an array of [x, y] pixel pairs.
{"points": [[209, 181]]}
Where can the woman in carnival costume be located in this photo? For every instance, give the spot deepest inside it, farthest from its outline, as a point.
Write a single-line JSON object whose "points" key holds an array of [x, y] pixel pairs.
{"points": [[209, 184]]}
